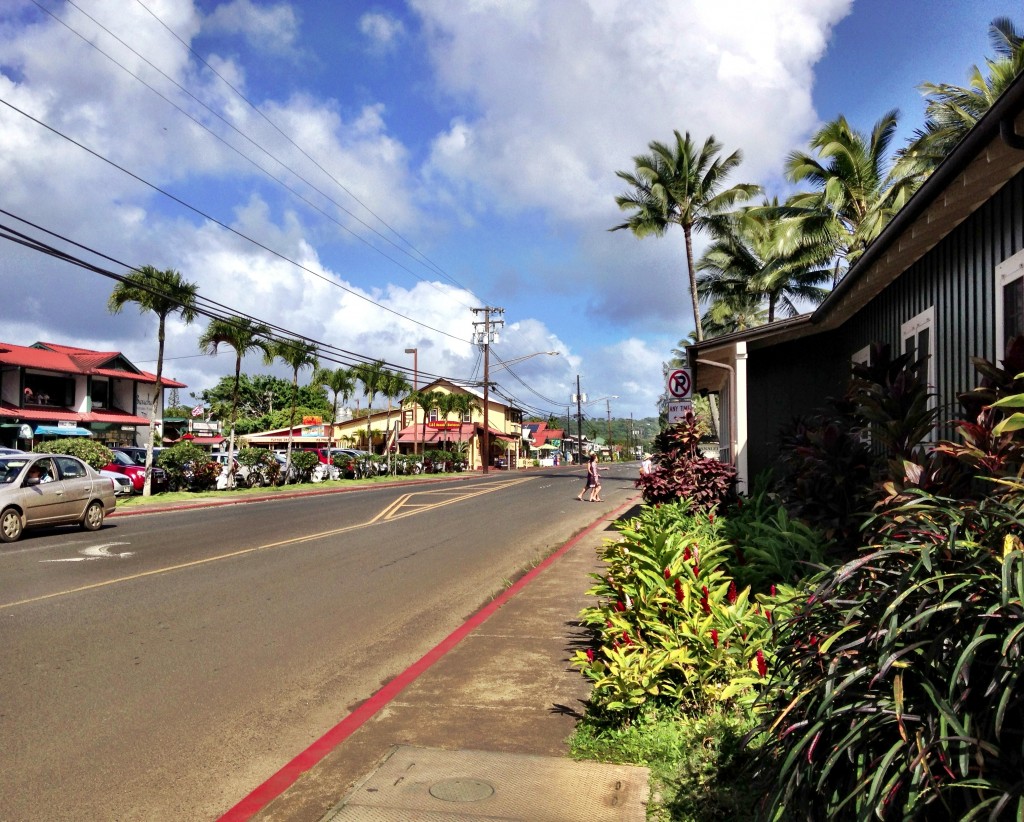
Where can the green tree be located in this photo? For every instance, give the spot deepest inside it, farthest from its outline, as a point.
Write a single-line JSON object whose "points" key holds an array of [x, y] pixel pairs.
{"points": [[682, 185], [244, 336], [392, 385], [297, 354], [341, 382], [951, 111], [426, 401], [463, 404], [370, 375], [853, 195], [164, 293], [760, 257]]}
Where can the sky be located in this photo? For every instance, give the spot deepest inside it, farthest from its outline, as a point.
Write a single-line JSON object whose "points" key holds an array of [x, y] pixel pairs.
{"points": [[365, 175]]}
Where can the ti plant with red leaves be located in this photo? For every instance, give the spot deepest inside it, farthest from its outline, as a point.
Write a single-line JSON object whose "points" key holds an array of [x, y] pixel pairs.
{"points": [[900, 690], [672, 627]]}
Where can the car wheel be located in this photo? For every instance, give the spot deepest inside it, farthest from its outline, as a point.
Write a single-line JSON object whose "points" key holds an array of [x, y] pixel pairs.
{"points": [[93, 519], [10, 525]]}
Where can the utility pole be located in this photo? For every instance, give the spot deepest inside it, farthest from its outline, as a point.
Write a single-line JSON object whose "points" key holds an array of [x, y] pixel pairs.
{"points": [[579, 420], [484, 338], [608, 406]]}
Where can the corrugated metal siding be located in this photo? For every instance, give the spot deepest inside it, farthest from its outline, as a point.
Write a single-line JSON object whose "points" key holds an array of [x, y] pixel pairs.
{"points": [[957, 278]]}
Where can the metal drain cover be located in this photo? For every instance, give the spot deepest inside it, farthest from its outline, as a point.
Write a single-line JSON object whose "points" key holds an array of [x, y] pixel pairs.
{"points": [[461, 790], [506, 787]]}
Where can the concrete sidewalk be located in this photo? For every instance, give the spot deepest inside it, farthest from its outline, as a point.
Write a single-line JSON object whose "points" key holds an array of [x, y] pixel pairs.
{"points": [[479, 731]]}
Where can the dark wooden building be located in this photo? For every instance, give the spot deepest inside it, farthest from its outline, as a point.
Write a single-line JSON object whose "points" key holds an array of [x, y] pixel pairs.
{"points": [[945, 279]]}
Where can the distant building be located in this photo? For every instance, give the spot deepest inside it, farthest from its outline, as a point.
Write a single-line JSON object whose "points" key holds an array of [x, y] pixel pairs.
{"points": [[50, 391]]}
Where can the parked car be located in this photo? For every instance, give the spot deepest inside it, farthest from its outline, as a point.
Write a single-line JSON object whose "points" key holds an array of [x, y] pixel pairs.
{"points": [[242, 474], [122, 484], [123, 463], [5, 451], [327, 455], [51, 489]]}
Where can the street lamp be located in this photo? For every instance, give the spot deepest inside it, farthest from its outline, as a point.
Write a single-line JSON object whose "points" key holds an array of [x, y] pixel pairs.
{"points": [[415, 368]]}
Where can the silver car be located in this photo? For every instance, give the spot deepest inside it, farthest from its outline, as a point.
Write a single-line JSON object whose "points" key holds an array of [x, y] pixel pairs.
{"points": [[51, 489]]}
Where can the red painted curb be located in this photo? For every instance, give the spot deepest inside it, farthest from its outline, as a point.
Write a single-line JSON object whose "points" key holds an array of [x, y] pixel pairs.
{"points": [[277, 784]]}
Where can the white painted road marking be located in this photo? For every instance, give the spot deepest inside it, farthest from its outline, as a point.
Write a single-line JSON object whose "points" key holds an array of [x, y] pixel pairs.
{"points": [[96, 552]]}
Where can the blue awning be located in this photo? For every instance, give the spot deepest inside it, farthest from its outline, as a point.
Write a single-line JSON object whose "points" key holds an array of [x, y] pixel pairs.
{"points": [[61, 431]]}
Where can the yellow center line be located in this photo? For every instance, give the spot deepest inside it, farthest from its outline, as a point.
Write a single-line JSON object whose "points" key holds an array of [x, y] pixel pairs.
{"points": [[387, 515]]}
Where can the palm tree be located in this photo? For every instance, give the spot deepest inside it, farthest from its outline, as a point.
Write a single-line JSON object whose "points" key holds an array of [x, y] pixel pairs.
{"points": [[462, 404], [425, 400], [763, 259], [951, 111], [370, 375], [445, 406], [297, 354], [392, 385], [164, 293], [339, 381], [853, 197], [244, 336], [679, 185]]}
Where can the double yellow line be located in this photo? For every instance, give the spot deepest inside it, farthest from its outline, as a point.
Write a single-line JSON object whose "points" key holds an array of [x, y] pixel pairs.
{"points": [[394, 511]]}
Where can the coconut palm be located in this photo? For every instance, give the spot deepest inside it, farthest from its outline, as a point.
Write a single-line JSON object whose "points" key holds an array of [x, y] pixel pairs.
{"points": [[951, 111], [244, 336], [463, 404], [393, 385], [426, 401], [682, 185], [370, 375], [763, 261], [854, 196], [297, 354], [341, 382], [164, 293]]}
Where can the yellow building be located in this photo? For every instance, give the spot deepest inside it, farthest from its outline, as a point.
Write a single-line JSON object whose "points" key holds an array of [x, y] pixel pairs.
{"points": [[406, 429]]}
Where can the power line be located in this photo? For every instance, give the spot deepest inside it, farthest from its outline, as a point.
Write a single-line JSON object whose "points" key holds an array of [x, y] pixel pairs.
{"points": [[226, 227]]}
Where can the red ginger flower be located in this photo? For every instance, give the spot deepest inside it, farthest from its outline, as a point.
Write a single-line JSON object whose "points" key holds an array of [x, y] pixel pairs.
{"points": [[714, 636], [704, 601], [762, 666], [590, 654], [679, 590], [732, 592], [619, 606], [686, 554], [667, 572]]}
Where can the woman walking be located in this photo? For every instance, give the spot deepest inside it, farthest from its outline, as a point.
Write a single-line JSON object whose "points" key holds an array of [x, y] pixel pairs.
{"points": [[593, 480]]}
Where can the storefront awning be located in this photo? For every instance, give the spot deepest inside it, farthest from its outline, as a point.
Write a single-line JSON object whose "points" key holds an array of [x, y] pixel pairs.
{"points": [[62, 431]]}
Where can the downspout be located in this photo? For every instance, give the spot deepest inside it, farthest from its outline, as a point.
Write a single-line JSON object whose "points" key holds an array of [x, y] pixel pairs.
{"points": [[1009, 135], [738, 411]]}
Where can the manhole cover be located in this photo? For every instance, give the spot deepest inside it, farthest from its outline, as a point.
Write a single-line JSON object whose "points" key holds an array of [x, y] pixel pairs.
{"points": [[461, 790]]}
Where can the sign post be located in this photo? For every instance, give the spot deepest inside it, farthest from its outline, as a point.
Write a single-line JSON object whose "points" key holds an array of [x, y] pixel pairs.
{"points": [[680, 394]]}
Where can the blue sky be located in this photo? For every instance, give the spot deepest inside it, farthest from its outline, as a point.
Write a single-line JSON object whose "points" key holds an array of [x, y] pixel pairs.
{"points": [[447, 154]]}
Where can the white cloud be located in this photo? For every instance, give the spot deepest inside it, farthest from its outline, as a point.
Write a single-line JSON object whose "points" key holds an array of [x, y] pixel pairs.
{"points": [[383, 31], [273, 27], [566, 93]]}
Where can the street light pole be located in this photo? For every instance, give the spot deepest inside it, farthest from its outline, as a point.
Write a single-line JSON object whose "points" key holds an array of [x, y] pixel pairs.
{"points": [[415, 368]]}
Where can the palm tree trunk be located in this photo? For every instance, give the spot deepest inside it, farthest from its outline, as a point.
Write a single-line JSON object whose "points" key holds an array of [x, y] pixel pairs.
{"points": [[291, 424], [693, 283], [234, 412], [147, 485]]}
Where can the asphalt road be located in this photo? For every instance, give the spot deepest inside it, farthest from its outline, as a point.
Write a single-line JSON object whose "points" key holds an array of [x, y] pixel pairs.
{"points": [[164, 666]]}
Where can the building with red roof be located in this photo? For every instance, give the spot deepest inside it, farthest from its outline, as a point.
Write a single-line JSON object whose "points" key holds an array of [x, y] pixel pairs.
{"points": [[51, 391]]}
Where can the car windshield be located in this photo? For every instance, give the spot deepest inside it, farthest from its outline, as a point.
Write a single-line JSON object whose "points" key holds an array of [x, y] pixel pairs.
{"points": [[134, 457], [10, 467], [122, 458]]}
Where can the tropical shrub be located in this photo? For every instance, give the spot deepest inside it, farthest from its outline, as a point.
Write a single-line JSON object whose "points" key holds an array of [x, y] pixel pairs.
{"points": [[671, 626], [900, 692], [189, 466], [681, 472], [262, 465], [767, 545], [92, 453], [304, 463]]}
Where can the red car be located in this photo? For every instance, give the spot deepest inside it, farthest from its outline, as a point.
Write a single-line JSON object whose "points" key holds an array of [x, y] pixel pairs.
{"points": [[124, 464]]}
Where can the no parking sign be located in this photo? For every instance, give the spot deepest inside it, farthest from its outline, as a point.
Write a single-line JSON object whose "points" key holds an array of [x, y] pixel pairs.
{"points": [[680, 394]]}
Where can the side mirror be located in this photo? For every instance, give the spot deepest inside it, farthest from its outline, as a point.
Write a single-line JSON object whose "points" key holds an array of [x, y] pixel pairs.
{"points": [[30, 481]]}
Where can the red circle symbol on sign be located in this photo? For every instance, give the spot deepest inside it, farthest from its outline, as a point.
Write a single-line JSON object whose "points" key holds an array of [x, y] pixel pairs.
{"points": [[679, 383]]}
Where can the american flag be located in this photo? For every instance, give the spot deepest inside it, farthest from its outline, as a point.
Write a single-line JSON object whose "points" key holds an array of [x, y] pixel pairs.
{"points": [[198, 410]]}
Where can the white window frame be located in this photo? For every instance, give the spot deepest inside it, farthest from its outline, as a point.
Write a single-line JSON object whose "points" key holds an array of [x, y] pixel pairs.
{"points": [[1007, 271], [912, 328], [862, 357]]}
